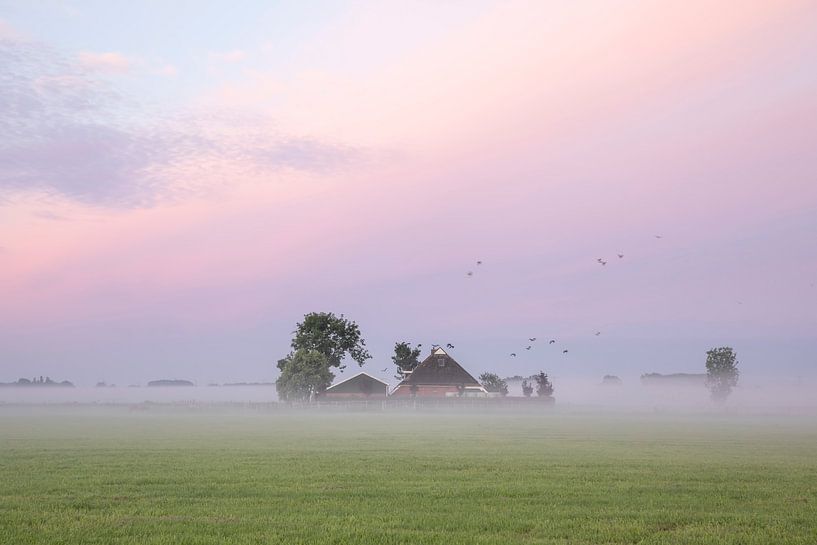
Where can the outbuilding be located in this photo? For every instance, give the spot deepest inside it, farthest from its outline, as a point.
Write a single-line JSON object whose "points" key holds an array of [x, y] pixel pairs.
{"points": [[360, 386]]}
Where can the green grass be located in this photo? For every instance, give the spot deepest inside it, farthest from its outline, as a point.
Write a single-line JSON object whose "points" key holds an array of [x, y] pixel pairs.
{"points": [[108, 476]]}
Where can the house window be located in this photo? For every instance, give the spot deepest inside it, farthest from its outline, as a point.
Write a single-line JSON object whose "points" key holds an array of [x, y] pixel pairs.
{"points": [[441, 361]]}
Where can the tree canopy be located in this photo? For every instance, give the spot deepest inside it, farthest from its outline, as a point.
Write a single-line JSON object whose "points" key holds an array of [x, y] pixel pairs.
{"points": [[527, 388], [405, 358], [493, 383], [333, 336], [721, 372], [544, 388], [303, 373]]}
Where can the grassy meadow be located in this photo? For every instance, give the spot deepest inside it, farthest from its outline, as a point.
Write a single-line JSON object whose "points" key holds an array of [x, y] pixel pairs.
{"points": [[110, 476]]}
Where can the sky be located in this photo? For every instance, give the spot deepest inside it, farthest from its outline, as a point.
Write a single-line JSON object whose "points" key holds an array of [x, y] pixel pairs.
{"points": [[180, 183]]}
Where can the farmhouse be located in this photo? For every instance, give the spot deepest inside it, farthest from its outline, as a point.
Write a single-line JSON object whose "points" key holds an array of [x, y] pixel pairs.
{"points": [[360, 386], [439, 376]]}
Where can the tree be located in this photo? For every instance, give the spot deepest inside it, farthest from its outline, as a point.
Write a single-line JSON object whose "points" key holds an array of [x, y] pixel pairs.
{"points": [[544, 388], [527, 389], [721, 372], [303, 373], [493, 383], [333, 336], [405, 358]]}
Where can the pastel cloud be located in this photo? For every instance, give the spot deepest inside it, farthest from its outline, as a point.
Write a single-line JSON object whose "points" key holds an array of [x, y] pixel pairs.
{"points": [[167, 70], [8, 32], [108, 62], [65, 135], [230, 57]]}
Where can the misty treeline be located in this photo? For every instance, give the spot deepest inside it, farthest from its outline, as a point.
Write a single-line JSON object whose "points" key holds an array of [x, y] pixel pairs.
{"points": [[322, 341]]}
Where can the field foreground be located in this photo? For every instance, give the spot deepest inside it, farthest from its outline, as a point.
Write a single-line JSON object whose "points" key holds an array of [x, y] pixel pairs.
{"points": [[107, 476]]}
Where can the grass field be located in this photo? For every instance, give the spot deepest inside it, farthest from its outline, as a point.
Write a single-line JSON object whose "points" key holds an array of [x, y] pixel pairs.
{"points": [[107, 476]]}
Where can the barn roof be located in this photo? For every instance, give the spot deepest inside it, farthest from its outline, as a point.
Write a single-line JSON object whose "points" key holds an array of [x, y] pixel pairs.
{"points": [[359, 375], [439, 368]]}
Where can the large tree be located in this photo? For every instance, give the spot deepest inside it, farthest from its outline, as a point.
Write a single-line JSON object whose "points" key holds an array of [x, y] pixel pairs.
{"points": [[544, 388], [303, 373], [527, 388], [333, 336], [721, 372], [493, 383], [405, 358]]}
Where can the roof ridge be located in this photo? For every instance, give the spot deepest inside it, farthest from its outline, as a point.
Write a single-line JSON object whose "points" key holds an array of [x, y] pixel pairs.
{"points": [[355, 376]]}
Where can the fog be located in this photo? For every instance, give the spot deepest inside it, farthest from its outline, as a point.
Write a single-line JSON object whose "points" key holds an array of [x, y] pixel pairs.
{"points": [[572, 394]]}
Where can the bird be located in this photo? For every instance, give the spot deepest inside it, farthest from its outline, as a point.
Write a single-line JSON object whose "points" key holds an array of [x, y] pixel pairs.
{"points": [[449, 345], [532, 339], [479, 263], [528, 347], [384, 370], [470, 273], [564, 351], [659, 236], [600, 260], [598, 333], [551, 341], [513, 354], [620, 256]]}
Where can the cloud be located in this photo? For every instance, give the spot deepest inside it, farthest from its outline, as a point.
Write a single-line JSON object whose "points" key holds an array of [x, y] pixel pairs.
{"points": [[8, 32], [234, 56], [110, 62], [167, 70], [304, 154], [48, 215], [64, 133], [87, 162]]}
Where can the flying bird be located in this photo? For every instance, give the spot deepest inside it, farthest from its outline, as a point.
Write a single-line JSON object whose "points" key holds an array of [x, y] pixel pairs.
{"points": [[513, 354], [470, 273], [449, 345], [479, 263], [386, 369], [528, 347], [620, 256], [532, 339], [598, 333], [659, 236], [551, 341], [564, 351], [600, 260]]}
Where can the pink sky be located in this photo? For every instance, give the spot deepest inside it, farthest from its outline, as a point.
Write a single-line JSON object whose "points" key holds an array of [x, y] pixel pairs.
{"points": [[179, 221]]}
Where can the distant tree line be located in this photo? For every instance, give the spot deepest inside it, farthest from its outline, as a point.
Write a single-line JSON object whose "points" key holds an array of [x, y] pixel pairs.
{"points": [[323, 340]]}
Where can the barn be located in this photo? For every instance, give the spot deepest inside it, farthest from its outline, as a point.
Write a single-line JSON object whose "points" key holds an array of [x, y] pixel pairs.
{"points": [[439, 375], [360, 386]]}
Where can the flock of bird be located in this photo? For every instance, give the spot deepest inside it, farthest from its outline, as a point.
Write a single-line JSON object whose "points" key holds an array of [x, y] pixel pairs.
{"points": [[601, 261], [531, 340], [530, 346]]}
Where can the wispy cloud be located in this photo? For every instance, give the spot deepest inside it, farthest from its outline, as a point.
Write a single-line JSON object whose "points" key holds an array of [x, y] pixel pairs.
{"points": [[65, 133], [8, 32], [110, 62], [233, 56], [167, 70]]}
